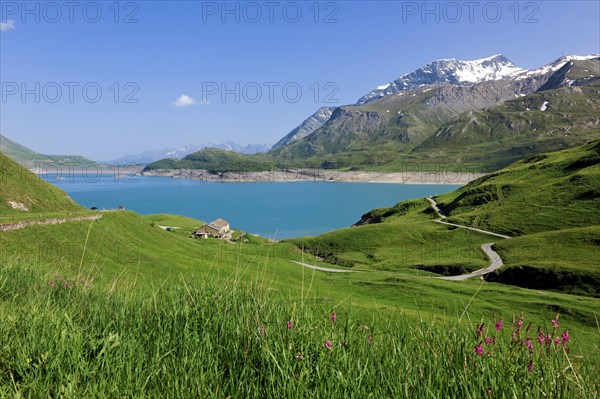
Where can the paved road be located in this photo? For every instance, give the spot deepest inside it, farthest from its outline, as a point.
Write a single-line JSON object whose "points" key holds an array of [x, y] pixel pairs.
{"points": [[435, 207], [496, 261], [325, 269], [496, 264], [487, 248]]}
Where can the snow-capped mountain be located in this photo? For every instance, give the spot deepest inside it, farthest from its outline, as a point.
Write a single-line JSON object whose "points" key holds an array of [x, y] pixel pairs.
{"points": [[555, 65], [181, 151], [448, 71]]}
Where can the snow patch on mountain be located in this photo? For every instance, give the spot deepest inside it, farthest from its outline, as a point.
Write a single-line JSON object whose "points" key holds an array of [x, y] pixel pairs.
{"points": [[448, 71]]}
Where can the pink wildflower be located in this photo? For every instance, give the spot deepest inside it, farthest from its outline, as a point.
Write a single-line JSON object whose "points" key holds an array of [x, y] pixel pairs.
{"points": [[528, 344], [519, 324], [494, 339], [499, 325], [555, 323], [328, 344], [565, 336], [290, 324], [557, 341], [530, 366], [299, 356], [333, 317], [51, 283], [479, 349], [488, 340], [541, 338]]}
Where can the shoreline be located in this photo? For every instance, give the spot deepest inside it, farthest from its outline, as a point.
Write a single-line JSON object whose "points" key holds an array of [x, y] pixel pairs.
{"points": [[318, 175]]}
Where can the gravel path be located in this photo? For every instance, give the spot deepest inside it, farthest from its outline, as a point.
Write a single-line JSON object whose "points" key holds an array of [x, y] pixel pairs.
{"points": [[23, 224]]}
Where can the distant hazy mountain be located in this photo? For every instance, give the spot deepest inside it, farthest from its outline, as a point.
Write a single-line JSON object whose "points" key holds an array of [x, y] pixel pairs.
{"points": [[182, 151]]}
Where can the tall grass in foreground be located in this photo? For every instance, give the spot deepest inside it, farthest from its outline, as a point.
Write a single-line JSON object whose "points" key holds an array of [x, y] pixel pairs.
{"points": [[63, 337]]}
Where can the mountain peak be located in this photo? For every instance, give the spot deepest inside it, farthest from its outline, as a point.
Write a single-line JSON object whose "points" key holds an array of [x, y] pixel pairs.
{"points": [[451, 71]]}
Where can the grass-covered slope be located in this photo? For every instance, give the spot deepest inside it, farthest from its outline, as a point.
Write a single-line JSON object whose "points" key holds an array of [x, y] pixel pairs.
{"points": [[65, 337], [120, 307], [32, 159], [409, 242], [216, 160], [546, 121], [19, 185], [542, 193], [550, 204]]}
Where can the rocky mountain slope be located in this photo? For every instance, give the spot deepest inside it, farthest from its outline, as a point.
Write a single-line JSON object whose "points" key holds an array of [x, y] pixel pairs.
{"points": [[402, 121], [308, 126]]}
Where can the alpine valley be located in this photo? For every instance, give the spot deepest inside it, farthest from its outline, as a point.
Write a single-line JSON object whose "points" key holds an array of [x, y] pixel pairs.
{"points": [[503, 113]]}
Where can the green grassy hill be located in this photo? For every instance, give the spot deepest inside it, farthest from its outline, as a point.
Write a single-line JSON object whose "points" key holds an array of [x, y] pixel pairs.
{"points": [[19, 185], [31, 159], [550, 203], [216, 160], [542, 193]]}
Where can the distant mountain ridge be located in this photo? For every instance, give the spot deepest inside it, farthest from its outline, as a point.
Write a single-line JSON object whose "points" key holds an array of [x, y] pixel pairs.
{"points": [[182, 151]]}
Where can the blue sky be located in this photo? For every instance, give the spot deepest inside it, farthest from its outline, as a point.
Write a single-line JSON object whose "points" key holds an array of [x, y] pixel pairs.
{"points": [[194, 48]]}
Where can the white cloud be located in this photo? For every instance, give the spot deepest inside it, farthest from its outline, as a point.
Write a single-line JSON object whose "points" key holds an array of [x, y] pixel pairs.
{"points": [[187, 101], [8, 25]]}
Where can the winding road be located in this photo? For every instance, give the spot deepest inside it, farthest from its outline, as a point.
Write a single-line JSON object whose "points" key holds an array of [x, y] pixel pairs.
{"points": [[496, 261], [325, 269]]}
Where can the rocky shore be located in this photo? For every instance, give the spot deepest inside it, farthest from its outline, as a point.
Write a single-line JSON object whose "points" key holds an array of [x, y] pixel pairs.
{"points": [[318, 175]]}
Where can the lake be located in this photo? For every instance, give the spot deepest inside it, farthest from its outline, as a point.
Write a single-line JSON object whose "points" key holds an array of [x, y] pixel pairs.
{"points": [[274, 210]]}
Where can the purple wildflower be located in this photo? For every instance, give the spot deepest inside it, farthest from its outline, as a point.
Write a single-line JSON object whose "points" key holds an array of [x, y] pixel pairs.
{"points": [[479, 349], [499, 325]]}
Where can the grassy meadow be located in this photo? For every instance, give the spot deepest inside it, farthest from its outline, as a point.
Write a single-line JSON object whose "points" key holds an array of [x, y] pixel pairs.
{"points": [[120, 307]]}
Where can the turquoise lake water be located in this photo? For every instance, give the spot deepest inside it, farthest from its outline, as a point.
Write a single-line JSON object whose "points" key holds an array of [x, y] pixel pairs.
{"points": [[275, 210]]}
